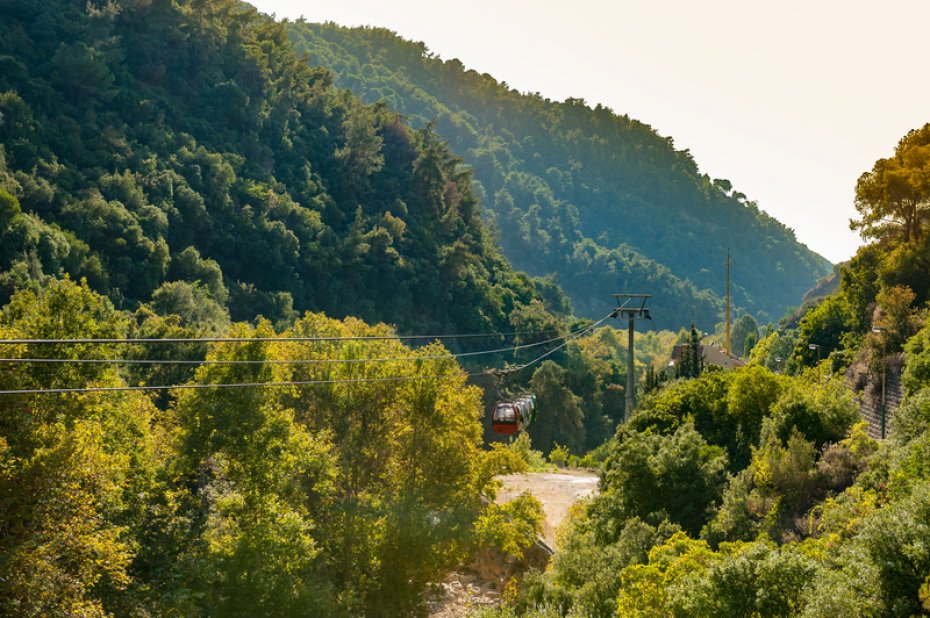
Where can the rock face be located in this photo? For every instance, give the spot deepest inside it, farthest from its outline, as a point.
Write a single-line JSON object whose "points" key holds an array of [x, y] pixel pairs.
{"points": [[867, 384]]}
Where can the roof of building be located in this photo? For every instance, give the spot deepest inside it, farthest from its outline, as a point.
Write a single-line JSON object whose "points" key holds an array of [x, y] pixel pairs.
{"points": [[711, 354]]}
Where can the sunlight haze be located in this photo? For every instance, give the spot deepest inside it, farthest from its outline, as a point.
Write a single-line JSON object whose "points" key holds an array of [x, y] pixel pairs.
{"points": [[790, 101]]}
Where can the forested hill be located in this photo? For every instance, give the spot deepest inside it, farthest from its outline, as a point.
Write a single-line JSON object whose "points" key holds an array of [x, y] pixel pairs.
{"points": [[180, 152], [598, 199]]}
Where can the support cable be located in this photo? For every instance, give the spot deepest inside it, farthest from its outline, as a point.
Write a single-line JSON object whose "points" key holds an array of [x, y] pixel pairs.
{"points": [[257, 339], [113, 389], [303, 361]]}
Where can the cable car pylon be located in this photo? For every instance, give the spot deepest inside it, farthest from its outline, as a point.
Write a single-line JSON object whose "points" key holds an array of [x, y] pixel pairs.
{"points": [[631, 306]]}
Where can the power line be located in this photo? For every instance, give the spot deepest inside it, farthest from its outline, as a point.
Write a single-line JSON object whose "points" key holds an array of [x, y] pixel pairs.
{"points": [[146, 387], [141, 341], [568, 340], [111, 389], [306, 361]]}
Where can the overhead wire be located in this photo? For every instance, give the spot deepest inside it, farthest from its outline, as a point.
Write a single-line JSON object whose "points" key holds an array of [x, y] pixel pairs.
{"points": [[567, 341], [153, 340], [302, 361], [192, 386]]}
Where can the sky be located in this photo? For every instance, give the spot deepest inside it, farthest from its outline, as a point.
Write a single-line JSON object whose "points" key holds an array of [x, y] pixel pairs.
{"points": [[791, 101]]}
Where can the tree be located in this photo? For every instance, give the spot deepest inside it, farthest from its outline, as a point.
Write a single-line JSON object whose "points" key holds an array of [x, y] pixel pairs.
{"points": [[561, 415], [823, 327], [752, 393], [778, 486], [590, 572], [653, 380], [893, 198], [192, 303], [77, 471], [751, 340], [260, 483], [896, 316], [691, 363], [9, 208], [677, 476], [773, 350], [189, 266], [744, 329]]}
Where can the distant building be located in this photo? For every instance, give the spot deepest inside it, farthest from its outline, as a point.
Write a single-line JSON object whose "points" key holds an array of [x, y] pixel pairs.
{"points": [[711, 354]]}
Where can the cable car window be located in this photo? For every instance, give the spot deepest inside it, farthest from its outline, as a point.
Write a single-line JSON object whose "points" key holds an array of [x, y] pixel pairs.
{"points": [[504, 413]]}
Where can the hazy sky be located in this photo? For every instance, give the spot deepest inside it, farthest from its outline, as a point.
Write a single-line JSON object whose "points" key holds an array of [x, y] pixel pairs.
{"points": [[790, 100]]}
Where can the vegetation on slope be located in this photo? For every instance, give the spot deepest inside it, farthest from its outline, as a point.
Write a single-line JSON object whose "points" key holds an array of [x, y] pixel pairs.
{"points": [[181, 151], [597, 199], [752, 493], [182, 160], [320, 498]]}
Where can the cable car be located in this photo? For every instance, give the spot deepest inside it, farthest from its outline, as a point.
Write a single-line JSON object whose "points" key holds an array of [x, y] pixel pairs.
{"points": [[509, 417]]}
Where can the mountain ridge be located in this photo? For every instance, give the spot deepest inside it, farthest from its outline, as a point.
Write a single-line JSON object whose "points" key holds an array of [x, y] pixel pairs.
{"points": [[553, 176]]}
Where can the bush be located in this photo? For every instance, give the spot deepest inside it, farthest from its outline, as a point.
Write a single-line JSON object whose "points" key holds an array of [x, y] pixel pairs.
{"points": [[821, 412], [560, 456], [913, 418], [917, 361], [594, 459], [511, 527], [522, 446], [753, 580], [679, 477], [896, 541]]}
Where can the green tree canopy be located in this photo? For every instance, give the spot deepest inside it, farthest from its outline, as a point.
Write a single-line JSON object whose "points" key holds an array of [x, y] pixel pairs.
{"points": [[892, 198]]}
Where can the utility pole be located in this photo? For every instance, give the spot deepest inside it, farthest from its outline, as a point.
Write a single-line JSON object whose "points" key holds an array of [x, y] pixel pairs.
{"points": [[728, 303], [630, 307]]}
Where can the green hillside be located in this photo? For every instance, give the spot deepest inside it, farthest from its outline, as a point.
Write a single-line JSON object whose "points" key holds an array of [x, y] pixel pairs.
{"points": [[182, 153], [598, 199], [191, 171], [762, 491]]}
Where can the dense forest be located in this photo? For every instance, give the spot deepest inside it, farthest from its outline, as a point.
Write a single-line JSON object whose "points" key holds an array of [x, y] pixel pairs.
{"points": [[181, 153], [760, 491], [597, 199], [333, 498]]}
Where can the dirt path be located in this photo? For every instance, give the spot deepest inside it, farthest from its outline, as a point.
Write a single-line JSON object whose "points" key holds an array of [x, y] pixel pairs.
{"points": [[557, 491], [461, 595]]}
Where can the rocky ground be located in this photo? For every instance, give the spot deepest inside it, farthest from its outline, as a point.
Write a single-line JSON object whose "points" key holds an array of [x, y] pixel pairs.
{"points": [[464, 593]]}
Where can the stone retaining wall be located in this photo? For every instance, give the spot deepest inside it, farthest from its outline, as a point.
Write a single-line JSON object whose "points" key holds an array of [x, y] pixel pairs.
{"points": [[867, 385]]}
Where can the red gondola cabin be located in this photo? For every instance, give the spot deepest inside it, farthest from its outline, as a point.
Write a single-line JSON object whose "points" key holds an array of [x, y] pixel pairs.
{"points": [[512, 416], [506, 418]]}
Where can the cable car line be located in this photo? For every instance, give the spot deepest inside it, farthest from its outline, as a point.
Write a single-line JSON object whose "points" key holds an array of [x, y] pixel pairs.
{"points": [[140, 341], [146, 387], [305, 361], [518, 413]]}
